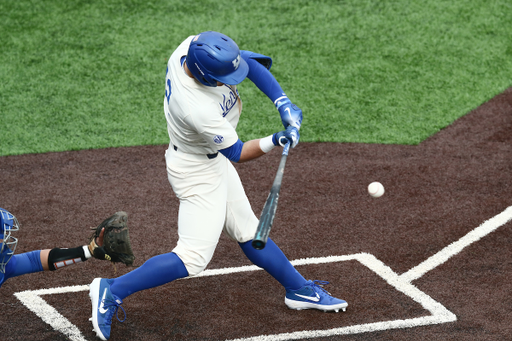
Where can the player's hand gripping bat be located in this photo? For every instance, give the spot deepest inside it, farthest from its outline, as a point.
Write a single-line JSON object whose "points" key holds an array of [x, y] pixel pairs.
{"points": [[269, 210]]}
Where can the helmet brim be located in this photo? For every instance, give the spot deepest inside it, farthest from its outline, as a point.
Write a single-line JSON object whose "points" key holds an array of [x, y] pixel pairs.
{"points": [[235, 77]]}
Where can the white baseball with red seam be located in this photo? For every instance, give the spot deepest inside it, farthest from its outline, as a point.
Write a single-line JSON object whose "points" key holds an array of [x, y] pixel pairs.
{"points": [[375, 189]]}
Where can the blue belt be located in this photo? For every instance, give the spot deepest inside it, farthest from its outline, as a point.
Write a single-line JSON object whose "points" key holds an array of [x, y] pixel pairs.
{"points": [[210, 156]]}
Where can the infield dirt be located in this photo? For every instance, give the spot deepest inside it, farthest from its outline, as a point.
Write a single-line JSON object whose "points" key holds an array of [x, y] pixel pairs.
{"points": [[436, 193]]}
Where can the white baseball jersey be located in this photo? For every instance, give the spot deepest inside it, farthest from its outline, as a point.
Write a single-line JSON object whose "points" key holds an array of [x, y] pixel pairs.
{"points": [[198, 122], [201, 120]]}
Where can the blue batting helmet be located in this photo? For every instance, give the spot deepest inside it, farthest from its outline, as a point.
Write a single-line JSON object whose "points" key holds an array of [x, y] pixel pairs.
{"points": [[8, 224], [214, 57]]}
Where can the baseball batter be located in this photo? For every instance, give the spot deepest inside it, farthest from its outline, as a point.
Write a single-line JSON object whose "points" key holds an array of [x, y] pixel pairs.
{"points": [[202, 107]]}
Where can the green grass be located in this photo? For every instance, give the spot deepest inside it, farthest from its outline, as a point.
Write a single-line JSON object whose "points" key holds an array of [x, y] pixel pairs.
{"points": [[90, 74]]}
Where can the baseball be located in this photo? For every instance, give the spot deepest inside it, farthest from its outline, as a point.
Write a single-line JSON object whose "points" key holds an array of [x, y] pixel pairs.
{"points": [[375, 189]]}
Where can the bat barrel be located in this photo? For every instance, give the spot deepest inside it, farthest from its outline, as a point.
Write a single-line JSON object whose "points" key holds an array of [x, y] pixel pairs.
{"points": [[269, 210]]}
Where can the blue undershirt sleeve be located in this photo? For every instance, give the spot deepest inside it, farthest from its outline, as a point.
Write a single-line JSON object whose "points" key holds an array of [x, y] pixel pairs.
{"points": [[26, 263], [233, 153], [263, 79]]}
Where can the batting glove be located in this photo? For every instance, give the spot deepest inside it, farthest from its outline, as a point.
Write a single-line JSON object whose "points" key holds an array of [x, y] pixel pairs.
{"points": [[291, 115], [291, 134]]}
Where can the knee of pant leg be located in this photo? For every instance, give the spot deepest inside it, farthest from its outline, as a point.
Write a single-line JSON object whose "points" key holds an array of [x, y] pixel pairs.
{"points": [[195, 261], [194, 265], [241, 222]]}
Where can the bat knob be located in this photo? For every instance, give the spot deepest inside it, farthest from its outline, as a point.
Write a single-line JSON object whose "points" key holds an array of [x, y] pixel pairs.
{"points": [[258, 244]]}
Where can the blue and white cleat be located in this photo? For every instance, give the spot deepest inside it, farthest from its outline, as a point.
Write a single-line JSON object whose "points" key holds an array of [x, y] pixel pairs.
{"points": [[313, 296], [104, 306]]}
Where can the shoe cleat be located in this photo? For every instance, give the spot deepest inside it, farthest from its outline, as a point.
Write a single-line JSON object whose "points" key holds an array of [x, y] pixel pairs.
{"points": [[313, 296], [104, 306]]}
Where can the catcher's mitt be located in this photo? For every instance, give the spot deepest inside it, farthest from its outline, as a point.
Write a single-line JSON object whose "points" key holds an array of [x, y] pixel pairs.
{"points": [[116, 240]]}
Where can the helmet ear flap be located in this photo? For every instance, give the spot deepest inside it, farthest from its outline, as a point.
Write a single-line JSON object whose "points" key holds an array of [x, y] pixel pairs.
{"points": [[196, 68]]}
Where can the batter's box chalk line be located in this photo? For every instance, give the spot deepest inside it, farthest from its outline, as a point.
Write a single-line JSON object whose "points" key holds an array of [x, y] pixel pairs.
{"points": [[439, 314]]}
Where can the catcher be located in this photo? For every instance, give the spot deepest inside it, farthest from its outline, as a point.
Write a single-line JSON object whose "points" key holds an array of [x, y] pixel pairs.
{"points": [[109, 241]]}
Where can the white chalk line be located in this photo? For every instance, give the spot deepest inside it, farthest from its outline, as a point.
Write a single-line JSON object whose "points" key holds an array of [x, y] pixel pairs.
{"points": [[454, 248], [439, 314], [33, 301]]}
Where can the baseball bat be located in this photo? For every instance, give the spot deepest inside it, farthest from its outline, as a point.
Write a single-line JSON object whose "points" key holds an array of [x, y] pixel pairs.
{"points": [[269, 210]]}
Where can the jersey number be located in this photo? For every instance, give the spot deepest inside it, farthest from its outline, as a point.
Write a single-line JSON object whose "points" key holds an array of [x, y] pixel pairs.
{"points": [[167, 87], [168, 91]]}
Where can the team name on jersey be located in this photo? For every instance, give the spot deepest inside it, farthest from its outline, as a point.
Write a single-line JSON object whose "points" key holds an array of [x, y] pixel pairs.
{"points": [[228, 103]]}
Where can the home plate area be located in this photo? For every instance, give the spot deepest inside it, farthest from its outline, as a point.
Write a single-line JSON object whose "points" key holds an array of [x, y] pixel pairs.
{"points": [[244, 304], [379, 299]]}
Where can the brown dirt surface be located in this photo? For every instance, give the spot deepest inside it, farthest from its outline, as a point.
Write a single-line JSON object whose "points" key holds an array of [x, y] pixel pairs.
{"points": [[436, 193]]}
